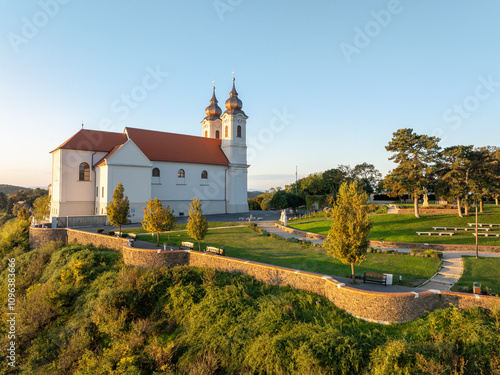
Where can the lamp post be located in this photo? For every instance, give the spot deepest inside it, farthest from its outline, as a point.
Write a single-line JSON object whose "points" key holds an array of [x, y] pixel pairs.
{"points": [[477, 236]]}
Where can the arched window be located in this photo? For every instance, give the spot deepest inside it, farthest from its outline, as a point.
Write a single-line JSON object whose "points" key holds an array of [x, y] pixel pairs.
{"points": [[217, 134], [206, 134], [226, 132], [181, 173], [238, 131], [156, 172], [84, 172], [204, 175]]}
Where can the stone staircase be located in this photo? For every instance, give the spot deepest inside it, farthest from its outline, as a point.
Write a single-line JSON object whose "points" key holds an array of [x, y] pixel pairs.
{"points": [[448, 275]]}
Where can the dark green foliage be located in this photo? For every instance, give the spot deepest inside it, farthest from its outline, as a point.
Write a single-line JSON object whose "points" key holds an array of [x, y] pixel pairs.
{"points": [[84, 312]]}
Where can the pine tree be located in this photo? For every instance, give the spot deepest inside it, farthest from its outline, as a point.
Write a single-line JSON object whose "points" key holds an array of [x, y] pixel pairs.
{"points": [[197, 225], [158, 218], [348, 236], [118, 209], [415, 155]]}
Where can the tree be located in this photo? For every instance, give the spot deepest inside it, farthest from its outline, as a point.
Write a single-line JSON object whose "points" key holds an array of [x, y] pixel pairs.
{"points": [[368, 176], [347, 238], [158, 218], [118, 209], [41, 207], [278, 201], [197, 225], [3, 201], [331, 181], [453, 170], [415, 155]]}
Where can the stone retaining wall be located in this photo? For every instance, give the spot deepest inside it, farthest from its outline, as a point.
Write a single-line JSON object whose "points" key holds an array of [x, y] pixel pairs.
{"points": [[372, 306]]}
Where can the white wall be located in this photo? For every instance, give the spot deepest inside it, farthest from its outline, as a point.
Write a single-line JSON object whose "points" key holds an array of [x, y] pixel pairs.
{"points": [[178, 193], [71, 196]]}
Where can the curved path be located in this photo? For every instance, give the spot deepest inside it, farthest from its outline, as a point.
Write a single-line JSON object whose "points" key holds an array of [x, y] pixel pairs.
{"points": [[449, 273]]}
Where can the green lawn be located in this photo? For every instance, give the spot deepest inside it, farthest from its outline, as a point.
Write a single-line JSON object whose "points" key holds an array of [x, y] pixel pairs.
{"points": [[485, 270], [214, 224], [403, 228], [244, 243]]}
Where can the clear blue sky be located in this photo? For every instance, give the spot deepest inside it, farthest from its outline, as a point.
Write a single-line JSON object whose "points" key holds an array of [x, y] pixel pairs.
{"points": [[323, 83]]}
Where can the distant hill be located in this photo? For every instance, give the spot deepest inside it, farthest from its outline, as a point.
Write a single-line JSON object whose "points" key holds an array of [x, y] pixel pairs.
{"points": [[253, 194], [8, 189]]}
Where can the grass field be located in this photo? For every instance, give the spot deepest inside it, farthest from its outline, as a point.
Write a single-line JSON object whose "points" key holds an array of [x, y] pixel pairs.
{"points": [[403, 228], [484, 269], [214, 224], [244, 243]]}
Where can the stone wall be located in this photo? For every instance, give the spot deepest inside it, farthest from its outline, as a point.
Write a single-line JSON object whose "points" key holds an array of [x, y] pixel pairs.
{"points": [[372, 306], [146, 258], [88, 238], [41, 236]]}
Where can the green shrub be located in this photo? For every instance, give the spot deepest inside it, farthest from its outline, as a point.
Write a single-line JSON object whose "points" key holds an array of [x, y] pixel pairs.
{"points": [[382, 209], [100, 230]]}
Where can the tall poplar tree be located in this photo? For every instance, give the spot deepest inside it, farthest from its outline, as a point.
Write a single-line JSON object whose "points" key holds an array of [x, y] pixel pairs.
{"points": [[119, 208], [347, 238], [158, 218], [197, 225], [415, 155]]}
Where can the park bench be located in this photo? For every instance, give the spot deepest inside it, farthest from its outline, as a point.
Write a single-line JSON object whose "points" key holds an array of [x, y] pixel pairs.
{"points": [[216, 250], [487, 234], [436, 233], [189, 245], [466, 229], [483, 225], [375, 278]]}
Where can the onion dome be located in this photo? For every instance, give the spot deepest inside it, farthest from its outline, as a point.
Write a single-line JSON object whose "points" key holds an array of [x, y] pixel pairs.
{"points": [[233, 104], [213, 111]]}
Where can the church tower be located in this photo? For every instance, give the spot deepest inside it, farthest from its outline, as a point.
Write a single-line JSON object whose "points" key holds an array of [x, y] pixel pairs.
{"points": [[234, 145], [212, 122]]}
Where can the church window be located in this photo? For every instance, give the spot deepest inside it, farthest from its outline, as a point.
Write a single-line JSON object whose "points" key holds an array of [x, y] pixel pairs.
{"points": [[84, 172], [204, 175], [226, 132], [206, 134], [217, 134], [156, 172], [181, 173], [102, 192], [238, 131]]}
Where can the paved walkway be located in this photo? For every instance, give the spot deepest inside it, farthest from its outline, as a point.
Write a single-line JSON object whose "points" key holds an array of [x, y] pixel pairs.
{"points": [[449, 273]]}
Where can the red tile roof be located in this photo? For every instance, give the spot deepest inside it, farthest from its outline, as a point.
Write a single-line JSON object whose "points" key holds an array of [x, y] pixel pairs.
{"points": [[93, 140], [156, 145], [161, 146], [103, 160]]}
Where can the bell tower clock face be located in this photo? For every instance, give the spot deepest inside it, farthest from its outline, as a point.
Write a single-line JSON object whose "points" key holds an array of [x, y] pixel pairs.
{"points": [[239, 120]]}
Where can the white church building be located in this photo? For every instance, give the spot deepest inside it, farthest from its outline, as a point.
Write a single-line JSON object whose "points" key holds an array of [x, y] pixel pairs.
{"points": [[171, 167]]}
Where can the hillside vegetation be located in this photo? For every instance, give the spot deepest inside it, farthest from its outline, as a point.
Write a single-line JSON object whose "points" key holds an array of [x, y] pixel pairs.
{"points": [[82, 311], [9, 189]]}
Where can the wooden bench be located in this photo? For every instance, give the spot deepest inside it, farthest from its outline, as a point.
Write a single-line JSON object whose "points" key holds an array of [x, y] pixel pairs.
{"points": [[487, 234], [466, 229], [216, 250], [189, 245], [483, 225], [375, 278], [436, 233]]}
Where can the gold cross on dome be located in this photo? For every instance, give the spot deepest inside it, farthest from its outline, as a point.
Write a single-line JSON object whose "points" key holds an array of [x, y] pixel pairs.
{"points": [[233, 73]]}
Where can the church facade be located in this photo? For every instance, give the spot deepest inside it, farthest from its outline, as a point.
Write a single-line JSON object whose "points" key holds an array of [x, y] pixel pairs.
{"points": [[171, 167]]}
